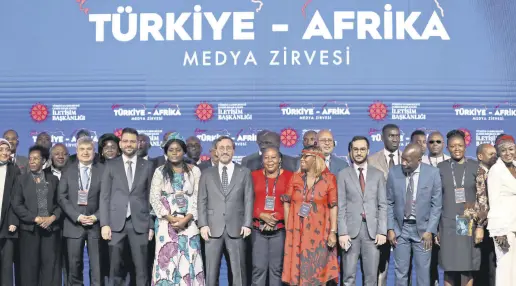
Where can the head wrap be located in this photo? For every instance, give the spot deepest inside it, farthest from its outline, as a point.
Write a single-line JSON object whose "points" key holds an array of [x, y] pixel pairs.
{"points": [[4, 142], [173, 136], [505, 139], [314, 153]]}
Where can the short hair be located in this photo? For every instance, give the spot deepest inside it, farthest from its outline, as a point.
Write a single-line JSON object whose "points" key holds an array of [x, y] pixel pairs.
{"points": [[85, 140], [224, 137], [42, 151], [389, 126], [357, 138], [42, 134], [481, 148], [82, 133], [55, 146], [456, 133], [11, 130], [416, 133], [129, 130]]}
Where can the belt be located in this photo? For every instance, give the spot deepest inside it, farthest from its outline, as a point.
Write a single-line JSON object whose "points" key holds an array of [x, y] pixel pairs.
{"points": [[409, 221]]}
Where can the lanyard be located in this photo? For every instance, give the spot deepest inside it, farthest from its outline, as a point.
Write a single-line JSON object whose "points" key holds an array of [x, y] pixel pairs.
{"points": [[274, 186], [305, 193], [430, 161], [453, 174], [82, 188]]}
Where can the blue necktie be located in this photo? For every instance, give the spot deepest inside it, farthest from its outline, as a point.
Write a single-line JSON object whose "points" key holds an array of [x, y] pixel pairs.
{"points": [[85, 177]]}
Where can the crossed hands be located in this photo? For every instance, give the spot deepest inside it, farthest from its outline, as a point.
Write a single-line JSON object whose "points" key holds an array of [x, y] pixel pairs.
{"points": [[43, 221], [87, 219]]}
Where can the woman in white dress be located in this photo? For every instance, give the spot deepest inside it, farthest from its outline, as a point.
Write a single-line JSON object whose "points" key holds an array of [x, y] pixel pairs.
{"points": [[173, 197]]}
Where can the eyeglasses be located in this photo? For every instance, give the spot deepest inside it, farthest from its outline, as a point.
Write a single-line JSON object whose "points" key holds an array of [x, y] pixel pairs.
{"points": [[304, 156], [435, 141]]}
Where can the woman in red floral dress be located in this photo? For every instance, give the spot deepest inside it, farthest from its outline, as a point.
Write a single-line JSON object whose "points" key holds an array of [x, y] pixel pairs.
{"points": [[311, 223]]}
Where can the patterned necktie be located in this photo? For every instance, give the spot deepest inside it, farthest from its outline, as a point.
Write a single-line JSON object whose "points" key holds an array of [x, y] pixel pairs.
{"points": [[84, 177], [409, 200], [391, 160], [361, 179], [225, 181]]}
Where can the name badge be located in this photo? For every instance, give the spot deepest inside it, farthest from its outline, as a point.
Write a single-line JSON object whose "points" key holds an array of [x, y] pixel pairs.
{"points": [[460, 195], [304, 211], [269, 203], [462, 225], [82, 198], [180, 200]]}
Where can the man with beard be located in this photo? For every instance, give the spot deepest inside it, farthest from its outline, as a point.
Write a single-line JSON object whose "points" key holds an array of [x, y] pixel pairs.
{"points": [[327, 143], [362, 219], [265, 139], [143, 146], [384, 160], [20, 161], [125, 208], [309, 138], [435, 146], [486, 155], [59, 158], [194, 150]]}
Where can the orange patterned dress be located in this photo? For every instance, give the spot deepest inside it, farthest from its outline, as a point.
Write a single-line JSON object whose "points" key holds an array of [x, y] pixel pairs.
{"points": [[308, 259]]}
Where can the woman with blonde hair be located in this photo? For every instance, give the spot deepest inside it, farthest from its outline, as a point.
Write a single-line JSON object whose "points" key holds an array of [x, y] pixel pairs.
{"points": [[310, 206]]}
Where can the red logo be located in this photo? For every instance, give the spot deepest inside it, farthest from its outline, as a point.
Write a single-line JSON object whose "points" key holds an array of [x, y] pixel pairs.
{"points": [[378, 111], [205, 158], [204, 111], [467, 137], [118, 132], [39, 112], [289, 137]]}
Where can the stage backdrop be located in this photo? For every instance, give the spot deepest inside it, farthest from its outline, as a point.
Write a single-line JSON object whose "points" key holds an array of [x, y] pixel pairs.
{"points": [[210, 68]]}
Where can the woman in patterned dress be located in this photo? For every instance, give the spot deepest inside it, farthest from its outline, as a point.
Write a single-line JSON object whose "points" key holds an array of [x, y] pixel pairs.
{"points": [[310, 207], [173, 197]]}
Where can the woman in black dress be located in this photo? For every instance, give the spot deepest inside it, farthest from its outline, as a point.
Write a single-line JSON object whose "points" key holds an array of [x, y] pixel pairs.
{"points": [[459, 255]]}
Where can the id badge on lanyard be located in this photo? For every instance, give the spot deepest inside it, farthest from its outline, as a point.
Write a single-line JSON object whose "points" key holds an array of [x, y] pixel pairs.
{"points": [[460, 193], [82, 194], [180, 200], [270, 201], [306, 207]]}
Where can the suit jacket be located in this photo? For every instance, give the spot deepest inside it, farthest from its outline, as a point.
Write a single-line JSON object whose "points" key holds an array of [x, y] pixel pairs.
{"points": [[68, 197], [7, 214], [428, 199], [229, 211], [205, 165], [22, 163], [336, 164], [254, 162], [158, 161], [352, 202], [25, 201], [115, 195]]}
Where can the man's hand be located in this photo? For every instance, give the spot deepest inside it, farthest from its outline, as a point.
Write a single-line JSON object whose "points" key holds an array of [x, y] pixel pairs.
{"points": [[245, 232], [391, 236], [343, 240], [332, 239], [427, 241], [106, 232], [502, 242], [47, 221], [205, 233], [479, 235], [437, 239], [151, 234], [84, 220], [12, 228], [269, 218], [380, 239], [38, 220]]}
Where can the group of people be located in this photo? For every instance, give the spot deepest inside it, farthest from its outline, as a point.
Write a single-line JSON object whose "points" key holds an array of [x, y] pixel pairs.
{"points": [[276, 219]]}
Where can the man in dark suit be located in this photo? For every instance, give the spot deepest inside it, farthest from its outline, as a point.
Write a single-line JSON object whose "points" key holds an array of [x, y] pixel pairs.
{"points": [[20, 161], [213, 158], [125, 208], [414, 197], [225, 212], [8, 220], [161, 159], [266, 139], [78, 196]]}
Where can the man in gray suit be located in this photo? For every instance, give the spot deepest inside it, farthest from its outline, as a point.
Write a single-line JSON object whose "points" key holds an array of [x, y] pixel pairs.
{"points": [[21, 161], [266, 139], [414, 197], [362, 220], [78, 196], [125, 208], [383, 160], [225, 212], [327, 143]]}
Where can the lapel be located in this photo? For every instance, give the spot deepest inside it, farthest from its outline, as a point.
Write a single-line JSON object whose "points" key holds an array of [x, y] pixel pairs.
{"points": [[215, 172], [124, 175], [356, 181], [94, 178], [332, 164], [401, 184], [383, 162], [369, 179], [50, 194], [138, 172], [421, 181], [233, 178]]}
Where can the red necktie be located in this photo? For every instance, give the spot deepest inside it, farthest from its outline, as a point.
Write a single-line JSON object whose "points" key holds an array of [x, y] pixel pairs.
{"points": [[361, 179]]}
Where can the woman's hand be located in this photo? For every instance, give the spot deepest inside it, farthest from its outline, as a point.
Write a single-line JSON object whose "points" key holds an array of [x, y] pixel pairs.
{"points": [[269, 218], [332, 239]]}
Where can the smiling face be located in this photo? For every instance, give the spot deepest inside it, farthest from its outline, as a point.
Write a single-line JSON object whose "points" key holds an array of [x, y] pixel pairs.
{"points": [[129, 144], [435, 144], [225, 151], [271, 160], [507, 152], [5, 152], [456, 147], [59, 156]]}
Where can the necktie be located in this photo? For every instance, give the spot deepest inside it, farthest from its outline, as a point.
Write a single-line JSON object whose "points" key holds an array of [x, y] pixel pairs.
{"points": [[327, 161], [361, 179], [84, 177], [129, 174], [391, 160], [409, 196], [225, 181]]}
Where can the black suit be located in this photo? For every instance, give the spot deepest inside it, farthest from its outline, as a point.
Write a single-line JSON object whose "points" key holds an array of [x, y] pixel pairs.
{"points": [[8, 218], [40, 249], [75, 233], [158, 161], [205, 165]]}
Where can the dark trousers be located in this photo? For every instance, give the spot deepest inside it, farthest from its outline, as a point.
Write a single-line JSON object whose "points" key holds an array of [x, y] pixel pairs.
{"points": [[40, 260], [267, 257], [6, 261], [236, 250], [75, 258], [138, 245]]}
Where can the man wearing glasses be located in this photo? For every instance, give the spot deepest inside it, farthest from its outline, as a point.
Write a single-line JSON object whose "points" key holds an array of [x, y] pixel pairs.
{"points": [[327, 143], [435, 146]]}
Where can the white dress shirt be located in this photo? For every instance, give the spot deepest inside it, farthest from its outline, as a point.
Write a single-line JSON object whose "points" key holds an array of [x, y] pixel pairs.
{"points": [[81, 166], [396, 158], [433, 161], [231, 168], [364, 171], [133, 165], [415, 176], [56, 172], [327, 160]]}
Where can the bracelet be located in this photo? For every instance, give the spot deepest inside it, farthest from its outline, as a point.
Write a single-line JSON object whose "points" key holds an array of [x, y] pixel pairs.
{"points": [[334, 231]]}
